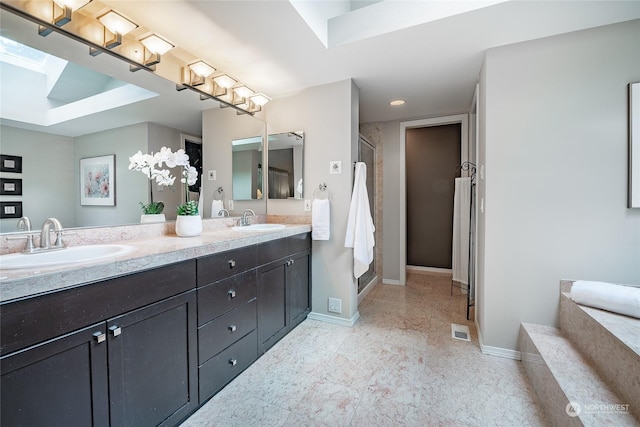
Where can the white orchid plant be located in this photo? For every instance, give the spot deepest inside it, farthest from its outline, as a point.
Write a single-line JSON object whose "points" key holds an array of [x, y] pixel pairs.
{"points": [[152, 166]]}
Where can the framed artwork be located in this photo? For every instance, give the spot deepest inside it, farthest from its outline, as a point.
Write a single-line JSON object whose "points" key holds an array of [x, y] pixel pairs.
{"points": [[10, 163], [10, 210], [10, 187], [97, 181], [634, 145]]}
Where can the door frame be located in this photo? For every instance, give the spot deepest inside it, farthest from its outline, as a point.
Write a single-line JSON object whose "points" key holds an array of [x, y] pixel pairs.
{"points": [[463, 119]]}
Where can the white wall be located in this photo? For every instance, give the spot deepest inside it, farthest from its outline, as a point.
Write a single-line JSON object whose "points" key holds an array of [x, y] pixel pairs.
{"points": [[48, 169], [131, 186], [328, 116], [554, 140]]}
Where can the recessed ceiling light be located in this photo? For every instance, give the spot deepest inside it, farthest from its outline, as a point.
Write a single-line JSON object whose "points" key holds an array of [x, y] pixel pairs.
{"points": [[397, 102]]}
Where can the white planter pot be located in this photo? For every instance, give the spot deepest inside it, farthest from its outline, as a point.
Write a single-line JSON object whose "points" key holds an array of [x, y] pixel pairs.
{"points": [[188, 225], [145, 218]]}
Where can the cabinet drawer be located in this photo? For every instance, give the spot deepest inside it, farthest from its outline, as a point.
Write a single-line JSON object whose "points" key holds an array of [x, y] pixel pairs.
{"points": [[216, 299], [272, 250], [220, 266], [299, 242], [221, 369], [37, 319], [219, 334]]}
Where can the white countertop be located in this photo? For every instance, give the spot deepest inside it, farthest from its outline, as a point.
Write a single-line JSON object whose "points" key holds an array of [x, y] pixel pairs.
{"points": [[148, 252]]}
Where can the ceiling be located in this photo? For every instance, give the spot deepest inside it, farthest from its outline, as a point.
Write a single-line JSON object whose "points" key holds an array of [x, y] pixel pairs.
{"points": [[433, 66], [429, 56]]}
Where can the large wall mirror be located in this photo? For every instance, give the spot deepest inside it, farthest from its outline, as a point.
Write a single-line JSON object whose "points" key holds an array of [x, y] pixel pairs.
{"points": [[285, 171], [91, 107]]}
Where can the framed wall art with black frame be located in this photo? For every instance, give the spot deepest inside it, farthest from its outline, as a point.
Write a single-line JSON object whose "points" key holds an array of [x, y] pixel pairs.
{"points": [[10, 210], [10, 163], [10, 187]]}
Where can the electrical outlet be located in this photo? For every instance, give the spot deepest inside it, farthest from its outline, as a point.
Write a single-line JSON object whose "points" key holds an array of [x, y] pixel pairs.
{"points": [[335, 305], [230, 205], [307, 205], [211, 175]]}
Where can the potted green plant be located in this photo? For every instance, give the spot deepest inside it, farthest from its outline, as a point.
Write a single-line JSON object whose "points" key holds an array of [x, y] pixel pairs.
{"points": [[152, 212], [188, 222]]}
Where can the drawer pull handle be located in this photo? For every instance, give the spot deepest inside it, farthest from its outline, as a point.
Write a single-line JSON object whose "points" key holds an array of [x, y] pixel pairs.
{"points": [[233, 362], [115, 330], [232, 328], [232, 294], [232, 263], [100, 337]]}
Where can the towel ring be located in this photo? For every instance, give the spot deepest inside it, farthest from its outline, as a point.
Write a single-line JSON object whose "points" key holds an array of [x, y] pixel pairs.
{"points": [[320, 191], [217, 195]]}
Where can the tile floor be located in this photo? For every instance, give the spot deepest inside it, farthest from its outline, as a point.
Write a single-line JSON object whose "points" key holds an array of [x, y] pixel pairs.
{"points": [[398, 366]]}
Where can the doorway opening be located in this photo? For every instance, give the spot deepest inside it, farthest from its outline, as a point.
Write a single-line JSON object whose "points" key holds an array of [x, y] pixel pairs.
{"points": [[461, 128]]}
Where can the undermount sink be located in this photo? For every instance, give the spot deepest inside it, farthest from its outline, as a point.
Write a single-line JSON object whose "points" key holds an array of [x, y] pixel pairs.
{"points": [[259, 227], [70, 255]]}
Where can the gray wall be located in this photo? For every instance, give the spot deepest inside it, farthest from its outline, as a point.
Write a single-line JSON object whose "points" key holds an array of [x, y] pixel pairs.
{"points": [[554, 142], [131, 186], [328, 115], [48, 174]]}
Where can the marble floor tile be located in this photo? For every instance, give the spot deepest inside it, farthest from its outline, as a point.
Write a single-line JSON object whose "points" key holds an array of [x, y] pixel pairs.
{"points": [[398, 366]]}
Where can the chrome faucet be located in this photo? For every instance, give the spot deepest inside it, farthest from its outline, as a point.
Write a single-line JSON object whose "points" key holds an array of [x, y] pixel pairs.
{"points": [[45, 237], [244, 221]]}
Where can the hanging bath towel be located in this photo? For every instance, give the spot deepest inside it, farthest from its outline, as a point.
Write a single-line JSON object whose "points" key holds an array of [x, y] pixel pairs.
{"points": [[321, 219], [461, 222], [360, 226]]}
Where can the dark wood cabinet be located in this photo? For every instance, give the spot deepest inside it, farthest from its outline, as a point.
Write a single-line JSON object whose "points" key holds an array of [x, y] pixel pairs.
{"points": [[62, 382], [134, 369], [153, 363], [147, 348], [284, 291]]}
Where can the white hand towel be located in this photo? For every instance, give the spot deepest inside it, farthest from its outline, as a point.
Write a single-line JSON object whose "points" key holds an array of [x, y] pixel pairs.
{"points": [[621, 299], [360, 226], [216, 207], [321, 219], [200, 203]]}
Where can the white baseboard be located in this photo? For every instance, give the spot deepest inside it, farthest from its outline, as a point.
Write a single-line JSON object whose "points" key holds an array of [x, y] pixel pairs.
{"points": [[496, 351], [433, 270], [368, 288], [390, 282], [333, 319]]}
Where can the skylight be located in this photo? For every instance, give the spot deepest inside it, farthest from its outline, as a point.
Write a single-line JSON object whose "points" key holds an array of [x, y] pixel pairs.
{"points": [[21, 55]]}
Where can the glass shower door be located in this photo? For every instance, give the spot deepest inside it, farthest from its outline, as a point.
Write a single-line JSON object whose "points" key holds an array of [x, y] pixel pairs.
{"points": [[367, 155]]}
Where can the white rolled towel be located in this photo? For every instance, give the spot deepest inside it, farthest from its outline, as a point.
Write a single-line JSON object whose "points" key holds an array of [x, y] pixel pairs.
{"points": [[623, 299]]}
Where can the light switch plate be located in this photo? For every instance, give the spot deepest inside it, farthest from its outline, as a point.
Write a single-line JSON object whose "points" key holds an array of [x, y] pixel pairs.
{"points": [[335, 167], [307, 205], [211, 175], [230, 205]]}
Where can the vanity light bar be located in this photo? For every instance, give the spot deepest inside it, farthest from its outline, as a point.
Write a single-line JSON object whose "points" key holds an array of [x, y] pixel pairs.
{"points": [[221, 88]]}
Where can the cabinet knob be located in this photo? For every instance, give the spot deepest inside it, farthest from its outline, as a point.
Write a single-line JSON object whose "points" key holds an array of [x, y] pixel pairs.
{"points": [[100, 337], [233, 362], [115, 330], [292, 261], [232, 328], [232, 263], [231, 293]]}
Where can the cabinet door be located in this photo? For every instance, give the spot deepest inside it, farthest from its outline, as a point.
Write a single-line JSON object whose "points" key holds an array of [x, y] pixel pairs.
{"points": [[153, 363], [272, 304], [62, 382], [298, 280]]}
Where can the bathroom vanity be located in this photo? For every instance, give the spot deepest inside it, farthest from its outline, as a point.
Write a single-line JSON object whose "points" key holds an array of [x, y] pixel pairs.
{"points": [[148, 346]]}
